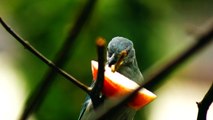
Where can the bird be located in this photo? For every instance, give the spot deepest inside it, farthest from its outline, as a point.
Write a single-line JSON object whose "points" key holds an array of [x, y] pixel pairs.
{"points": [[121, 57]]}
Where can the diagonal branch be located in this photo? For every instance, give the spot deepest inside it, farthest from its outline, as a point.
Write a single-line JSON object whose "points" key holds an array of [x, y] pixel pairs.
{"points": [[203, 106], [37, 96], [159, 76], [29, 47], [40, 92], [95, 92]]}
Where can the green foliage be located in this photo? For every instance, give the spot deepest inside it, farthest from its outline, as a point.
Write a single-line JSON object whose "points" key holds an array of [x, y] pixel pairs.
{"points": [[45, 24]]}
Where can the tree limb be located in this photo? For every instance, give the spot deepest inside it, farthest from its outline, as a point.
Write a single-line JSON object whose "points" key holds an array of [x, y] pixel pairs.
{"points": [[29, 47], [204, 105], [37, 96], [95, 92]]}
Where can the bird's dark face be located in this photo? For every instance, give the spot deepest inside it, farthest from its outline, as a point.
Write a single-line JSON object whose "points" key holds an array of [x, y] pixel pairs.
{"points": [[120, 51]]}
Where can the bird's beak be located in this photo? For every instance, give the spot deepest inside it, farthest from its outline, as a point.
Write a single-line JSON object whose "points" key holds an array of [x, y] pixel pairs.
{"points": [[114, 63]]}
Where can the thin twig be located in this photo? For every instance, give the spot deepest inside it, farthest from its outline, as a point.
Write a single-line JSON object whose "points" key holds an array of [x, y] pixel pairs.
{"points": [[203, 106], [29, 47], [97, 89], [159, 76], [37, 96]]}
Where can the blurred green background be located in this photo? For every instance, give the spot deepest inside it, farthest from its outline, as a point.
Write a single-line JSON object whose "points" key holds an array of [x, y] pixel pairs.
{"points": [[158, 29]]}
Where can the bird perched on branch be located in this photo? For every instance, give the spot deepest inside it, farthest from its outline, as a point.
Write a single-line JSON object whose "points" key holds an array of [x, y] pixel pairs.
{"points": [[121, 58]]}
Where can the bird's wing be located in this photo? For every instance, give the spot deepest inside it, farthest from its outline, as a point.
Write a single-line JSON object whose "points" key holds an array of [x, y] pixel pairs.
{"points": [[86, 103], [84, 107]]}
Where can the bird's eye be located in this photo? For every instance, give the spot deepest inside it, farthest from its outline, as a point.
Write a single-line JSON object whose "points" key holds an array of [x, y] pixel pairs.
{"points": [[128, 50]]}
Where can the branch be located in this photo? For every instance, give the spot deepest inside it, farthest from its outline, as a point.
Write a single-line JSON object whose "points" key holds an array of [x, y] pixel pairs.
{"points": [[159, 76], [156, 77], [37, 96], [95, 92], [97, 89], [29, 47], [203, 106]]}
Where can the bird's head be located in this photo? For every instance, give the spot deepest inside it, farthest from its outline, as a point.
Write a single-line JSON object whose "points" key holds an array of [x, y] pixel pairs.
{"points": [[120, 51]]}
